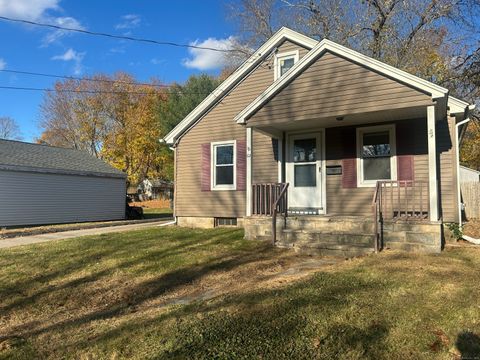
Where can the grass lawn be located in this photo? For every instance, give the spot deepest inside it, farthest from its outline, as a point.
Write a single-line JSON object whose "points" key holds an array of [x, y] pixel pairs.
{"points": [[179, 293], [152, 213]]}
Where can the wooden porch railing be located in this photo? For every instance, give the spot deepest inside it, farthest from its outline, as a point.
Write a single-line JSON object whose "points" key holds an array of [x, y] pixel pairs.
{"points": [[399, 200], [269, 200]]}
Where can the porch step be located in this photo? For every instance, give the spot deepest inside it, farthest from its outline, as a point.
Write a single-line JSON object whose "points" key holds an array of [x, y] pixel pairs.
{"points": [[327, 243], [336, 224]]}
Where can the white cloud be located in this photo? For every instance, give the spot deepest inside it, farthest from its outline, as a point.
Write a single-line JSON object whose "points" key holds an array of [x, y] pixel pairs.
{"points": [[27, 9], [129, 21], [3, 64], [55, 35], [72, 55], [203, 59], [156, 61], [41, 11]]}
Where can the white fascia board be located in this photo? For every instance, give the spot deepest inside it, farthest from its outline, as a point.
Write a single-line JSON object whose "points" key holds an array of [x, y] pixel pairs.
{"points": [[457, 106], [280, 36], [327, 45]]}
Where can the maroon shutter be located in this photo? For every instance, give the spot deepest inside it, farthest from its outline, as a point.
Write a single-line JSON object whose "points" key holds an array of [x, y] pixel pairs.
{"points": [[241, 165], [349, 173], [349, 162], [405, 167], [405, 145], [206, 170]]}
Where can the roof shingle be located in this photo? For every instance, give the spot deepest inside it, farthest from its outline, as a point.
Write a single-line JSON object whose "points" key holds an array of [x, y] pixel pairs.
{"points": [[18, 155]]}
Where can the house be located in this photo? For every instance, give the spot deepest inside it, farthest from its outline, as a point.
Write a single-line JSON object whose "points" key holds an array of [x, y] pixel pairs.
{"points": [[41, 184], [156, 189], [318, 147]]}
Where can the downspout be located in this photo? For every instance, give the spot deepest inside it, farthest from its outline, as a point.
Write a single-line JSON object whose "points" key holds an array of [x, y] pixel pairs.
{"points": [[457, 158]]}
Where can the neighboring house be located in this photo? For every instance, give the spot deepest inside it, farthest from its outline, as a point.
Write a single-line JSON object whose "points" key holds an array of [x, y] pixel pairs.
{"points": [[156, 189], [41, 184], [469, 175], [347, 133]]}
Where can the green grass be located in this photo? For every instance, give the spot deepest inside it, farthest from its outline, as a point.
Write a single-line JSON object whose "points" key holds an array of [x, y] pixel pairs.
{"points": [[152, 213], [107, 297]]}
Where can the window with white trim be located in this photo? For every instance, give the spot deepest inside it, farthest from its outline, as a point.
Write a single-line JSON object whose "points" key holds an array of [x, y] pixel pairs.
{"points": [[224, 165], [284, 61], [376, 152]]}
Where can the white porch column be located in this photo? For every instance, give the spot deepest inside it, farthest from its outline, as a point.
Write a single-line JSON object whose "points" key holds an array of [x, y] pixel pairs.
{"points": [[249, 173], [280, 158], [432, 163]]}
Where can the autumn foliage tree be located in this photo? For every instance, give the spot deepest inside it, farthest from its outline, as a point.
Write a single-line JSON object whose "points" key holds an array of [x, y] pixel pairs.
{"points": [[113, 118]]}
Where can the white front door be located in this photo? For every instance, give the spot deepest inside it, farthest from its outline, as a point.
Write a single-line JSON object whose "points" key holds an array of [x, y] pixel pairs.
{"points": [[304, 173]]}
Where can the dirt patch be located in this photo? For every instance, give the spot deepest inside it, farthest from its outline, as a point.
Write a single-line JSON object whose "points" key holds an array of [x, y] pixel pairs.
{"points": [[262, 274], [472, 228]]}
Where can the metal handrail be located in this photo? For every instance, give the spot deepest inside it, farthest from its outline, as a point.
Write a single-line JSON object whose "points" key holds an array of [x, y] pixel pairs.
{"points": [[376, 213], [283, 196]]}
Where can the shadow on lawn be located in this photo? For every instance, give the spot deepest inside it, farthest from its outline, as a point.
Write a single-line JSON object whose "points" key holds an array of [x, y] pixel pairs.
{"points": [[468, 344], [139, 293]]}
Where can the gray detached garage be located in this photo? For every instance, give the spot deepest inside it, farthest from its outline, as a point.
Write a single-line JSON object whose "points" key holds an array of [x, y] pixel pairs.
{"points": [[40, 184]]}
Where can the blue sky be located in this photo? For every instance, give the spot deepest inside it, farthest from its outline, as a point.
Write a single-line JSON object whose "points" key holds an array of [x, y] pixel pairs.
{"points": [[28, 48]]}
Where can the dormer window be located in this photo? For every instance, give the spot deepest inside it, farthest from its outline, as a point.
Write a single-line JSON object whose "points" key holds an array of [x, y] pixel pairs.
{"points": [[284, 61]]}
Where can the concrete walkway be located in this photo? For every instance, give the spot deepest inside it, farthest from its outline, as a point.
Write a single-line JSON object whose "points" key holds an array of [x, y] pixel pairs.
{"points": [[35, 239]]}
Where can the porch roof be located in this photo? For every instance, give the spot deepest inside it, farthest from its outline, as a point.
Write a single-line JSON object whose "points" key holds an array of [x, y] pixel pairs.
{"points": [[433, 91]]}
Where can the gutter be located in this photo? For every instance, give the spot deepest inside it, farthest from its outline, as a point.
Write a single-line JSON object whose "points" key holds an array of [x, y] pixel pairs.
{"points": [[457, 158]]}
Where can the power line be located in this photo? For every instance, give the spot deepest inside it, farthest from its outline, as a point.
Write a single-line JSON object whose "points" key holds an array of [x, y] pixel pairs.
{"points": [[82, 79], [122, 37], [86, 91]]}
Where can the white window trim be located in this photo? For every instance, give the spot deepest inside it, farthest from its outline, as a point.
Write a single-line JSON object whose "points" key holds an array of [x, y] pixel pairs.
{"points": [[295, 54], [393, 158], [213, 166]]}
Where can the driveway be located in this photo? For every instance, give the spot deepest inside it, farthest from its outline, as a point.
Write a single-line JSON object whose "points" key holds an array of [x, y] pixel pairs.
{"points": [[35, 239]]}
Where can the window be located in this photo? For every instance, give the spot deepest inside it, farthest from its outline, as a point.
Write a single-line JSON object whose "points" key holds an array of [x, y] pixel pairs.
{"points": [[225, 221], [223, 166], [304, 158], [376, 154], [284, 61]]}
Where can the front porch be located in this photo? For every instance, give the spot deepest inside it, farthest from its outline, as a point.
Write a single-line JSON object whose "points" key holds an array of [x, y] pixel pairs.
{"points": [[351, 189], [399, 219]]}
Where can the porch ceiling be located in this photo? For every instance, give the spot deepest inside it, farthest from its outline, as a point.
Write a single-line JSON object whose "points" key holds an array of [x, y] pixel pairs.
{"points": [[348, 120]]}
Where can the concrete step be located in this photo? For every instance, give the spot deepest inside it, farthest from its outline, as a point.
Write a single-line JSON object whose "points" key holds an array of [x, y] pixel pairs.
{"points": [[305, 237], [335, 224], [424, 238], [414, 247], [328, 249]]}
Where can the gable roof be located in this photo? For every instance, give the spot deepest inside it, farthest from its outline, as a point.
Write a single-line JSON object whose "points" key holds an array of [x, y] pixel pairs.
{"points": [[238, 75], [325, 45], [23, 156]]}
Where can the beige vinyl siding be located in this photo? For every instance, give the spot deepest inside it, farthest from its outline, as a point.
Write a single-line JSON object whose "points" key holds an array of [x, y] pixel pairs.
{"points": [[218, 125], [33, 198], [335, 86], [264, 159], [445, 133]]}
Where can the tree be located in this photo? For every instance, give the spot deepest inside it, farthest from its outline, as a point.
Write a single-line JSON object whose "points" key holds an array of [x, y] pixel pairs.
{"points": [[113, 118], [9, 129], [182, 99], [419, 36]]}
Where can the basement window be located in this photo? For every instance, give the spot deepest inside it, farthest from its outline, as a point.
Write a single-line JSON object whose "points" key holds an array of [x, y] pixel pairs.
{"points": [[220, 221]]}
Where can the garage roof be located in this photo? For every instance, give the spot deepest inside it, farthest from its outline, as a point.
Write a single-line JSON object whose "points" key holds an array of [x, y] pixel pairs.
{"points": [[23, 156]]}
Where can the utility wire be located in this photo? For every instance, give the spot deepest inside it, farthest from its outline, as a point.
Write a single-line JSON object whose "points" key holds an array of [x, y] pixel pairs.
{"points": [[122, 37], [86, 91], [82, 79]]}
